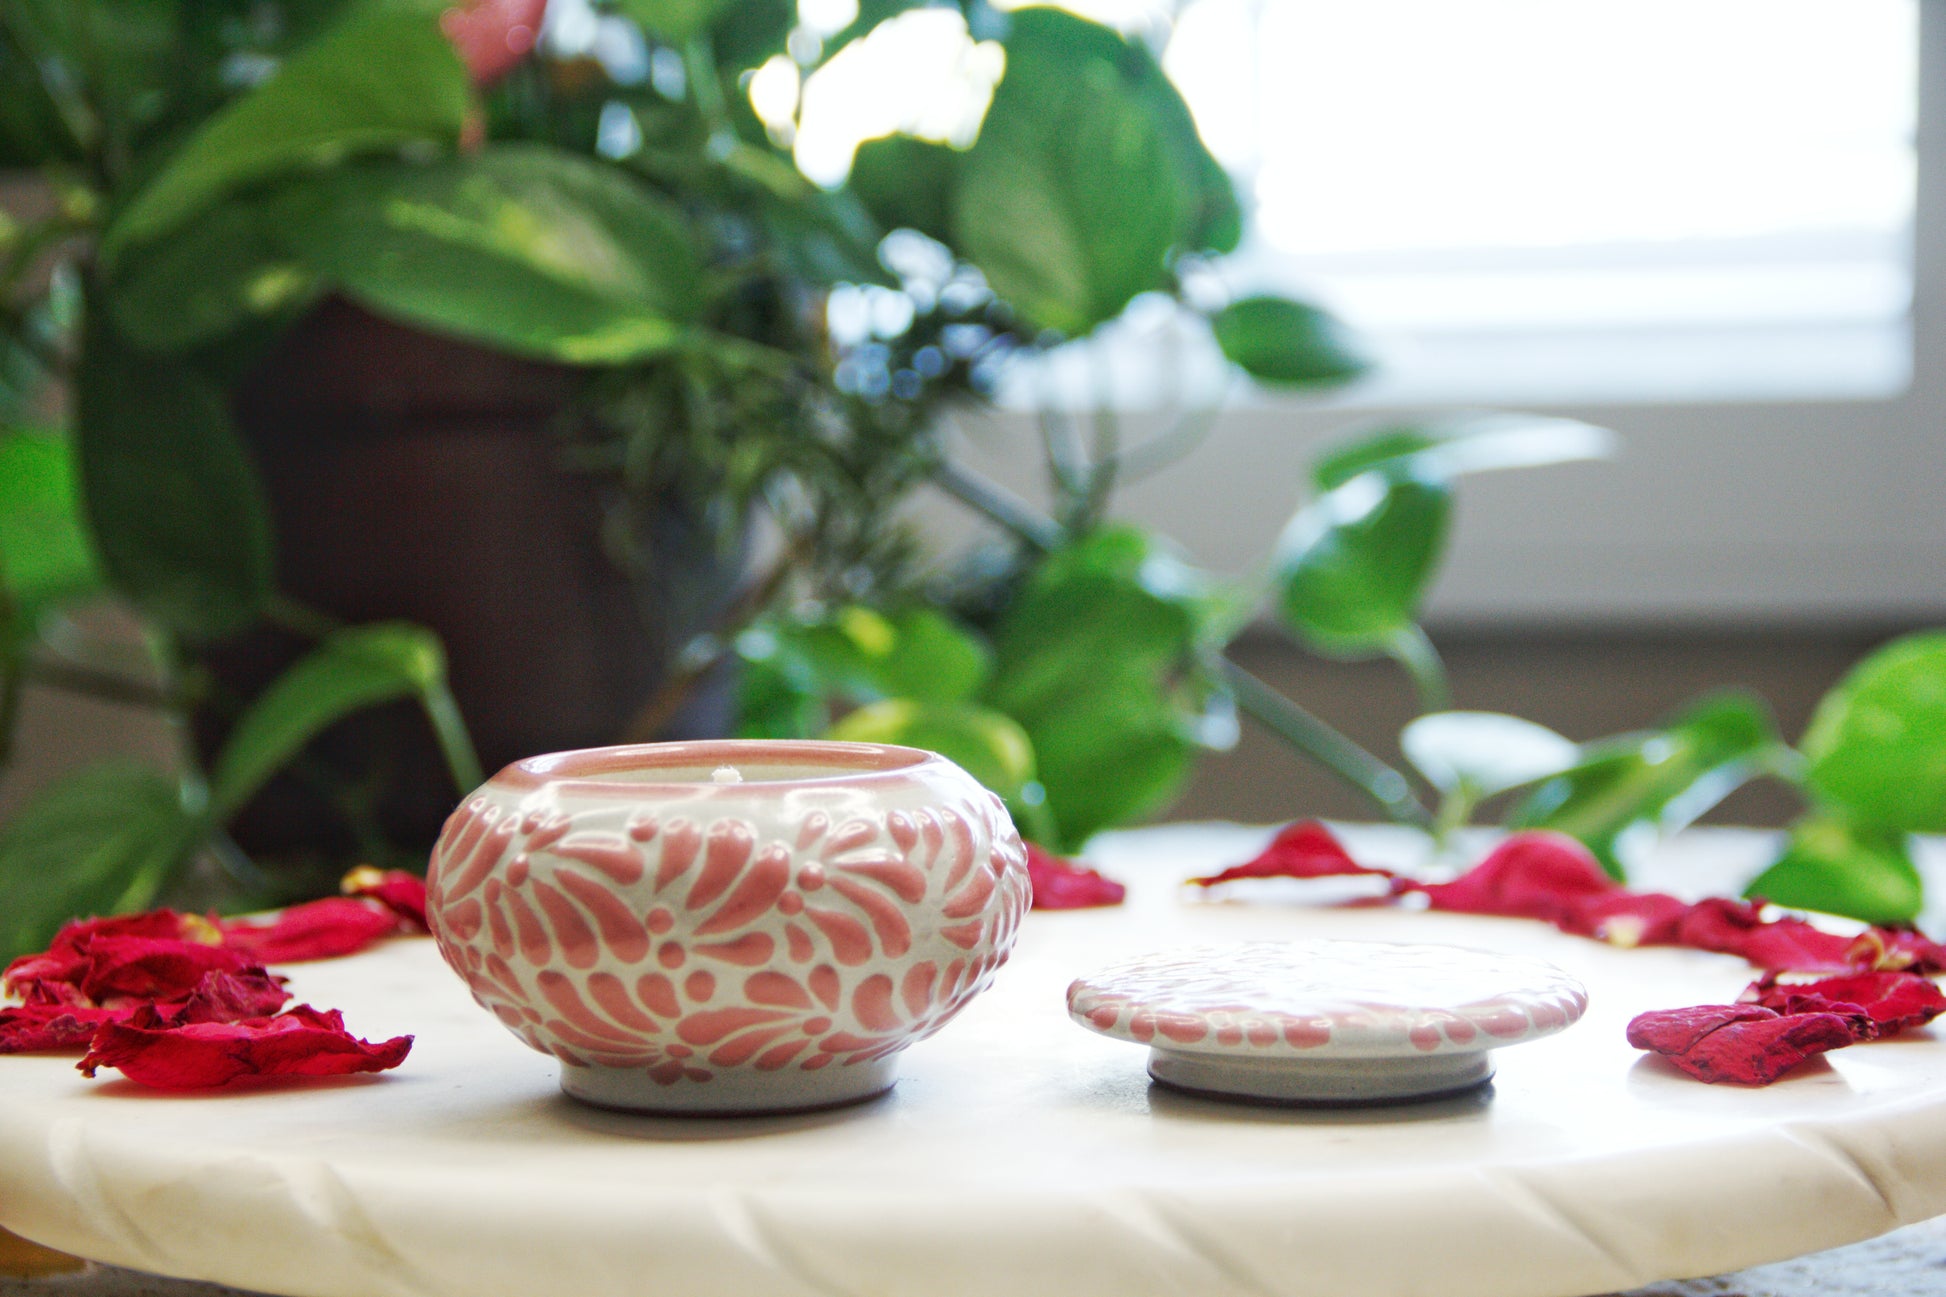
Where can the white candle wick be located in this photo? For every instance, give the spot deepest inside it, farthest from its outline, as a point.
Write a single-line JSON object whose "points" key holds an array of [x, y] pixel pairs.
{"points": [[726, 775]]}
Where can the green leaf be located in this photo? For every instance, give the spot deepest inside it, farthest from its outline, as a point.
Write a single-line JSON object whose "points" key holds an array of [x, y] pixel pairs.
{"points": [[1288, 344], [1877, 744], [746, 32], [101, 841], [381, 79], [675, 21], [350, 670], [859, 655], [172, 499], [1105, 660], [1629, 791], [1484, 753], [1354, 565], [1443, 449], [1840, 868], [522, 246], [987, 745], [204, 280], [1071, 201], [908, 184], [1209, 217], [45, 555]]}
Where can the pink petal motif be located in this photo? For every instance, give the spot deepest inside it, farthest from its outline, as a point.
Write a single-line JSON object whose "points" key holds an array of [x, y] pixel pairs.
{"points": [[1744, 1044], [151, 1051], [1063, 885], [1305, 849], [1892, 1001]]}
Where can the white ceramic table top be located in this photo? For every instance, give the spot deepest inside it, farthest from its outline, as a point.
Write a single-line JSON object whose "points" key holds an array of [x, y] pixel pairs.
{"points": [[1019, 1154]]}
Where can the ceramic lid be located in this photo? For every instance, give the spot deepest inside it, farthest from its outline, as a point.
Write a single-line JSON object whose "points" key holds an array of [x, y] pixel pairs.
{"points": [[1318, 1000]]}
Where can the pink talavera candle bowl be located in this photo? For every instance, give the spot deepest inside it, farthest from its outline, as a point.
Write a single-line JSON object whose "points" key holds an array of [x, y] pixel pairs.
{"points": [[727, 927]]}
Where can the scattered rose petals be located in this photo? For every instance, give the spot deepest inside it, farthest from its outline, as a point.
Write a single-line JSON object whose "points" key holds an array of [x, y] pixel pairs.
{"points": [[1529, 876], [326, 929], [1896, 950], [403, 893], [153, 969], [1738, 928], [1061, 884], [39, 1028], [227, 997], [219, 997], [1305, 849], [1892, 1001], [55, 975], [1745, 1044], [178, 1001], [1628, 919], [150, 1050]]}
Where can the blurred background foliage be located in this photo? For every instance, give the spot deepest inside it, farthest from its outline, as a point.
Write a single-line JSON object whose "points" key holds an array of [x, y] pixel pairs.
{"points": [[775, 354]]}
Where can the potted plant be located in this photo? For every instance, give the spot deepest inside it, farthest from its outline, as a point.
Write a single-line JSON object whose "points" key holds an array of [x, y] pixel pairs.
{"points": [[586, 288]]}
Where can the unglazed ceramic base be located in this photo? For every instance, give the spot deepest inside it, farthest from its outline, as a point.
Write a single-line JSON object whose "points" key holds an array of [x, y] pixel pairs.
{"points": [[1322, 1081], [742, 1092], [1326, 1021]]}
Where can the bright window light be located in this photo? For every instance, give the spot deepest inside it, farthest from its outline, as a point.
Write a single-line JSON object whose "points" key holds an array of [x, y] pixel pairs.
{"points": [[921, 73], [1577, 199]]}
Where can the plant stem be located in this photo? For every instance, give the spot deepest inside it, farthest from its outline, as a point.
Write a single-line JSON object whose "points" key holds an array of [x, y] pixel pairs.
{"points": [[1307, 733], [699, 66], [11, 673], [1170, 445], [1412, 650], [1386, 787], [998, 504], [708, 649], [1106, 465], [455, 743]]}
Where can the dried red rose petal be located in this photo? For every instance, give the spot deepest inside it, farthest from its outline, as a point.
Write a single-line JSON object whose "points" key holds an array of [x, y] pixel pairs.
{"points": [[231, 997], [1305, 849], [219, 997], [151, 1051], [148, 968], [326, 929], [402, 893], [41, 1028], [1892, 1000], [1739, 928], [1534, 875], [54, 975], [1896, 950], [1628, 919], [1061, 884], [1744, 1044]]}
